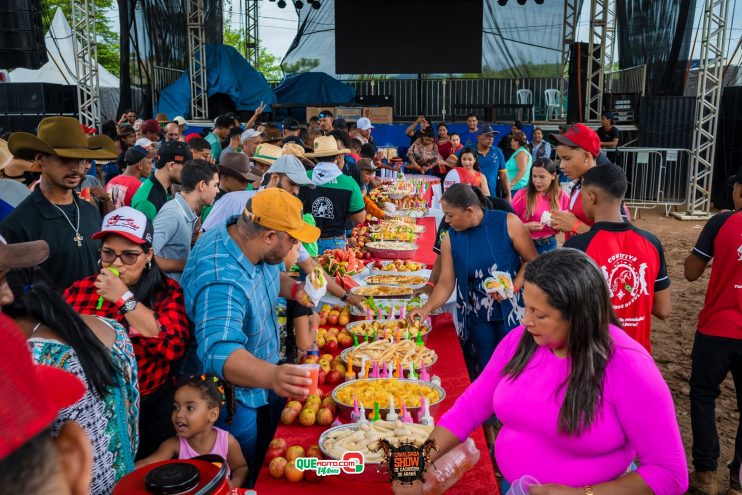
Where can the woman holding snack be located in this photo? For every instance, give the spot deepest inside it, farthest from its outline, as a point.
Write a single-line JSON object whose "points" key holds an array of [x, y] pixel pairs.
{"points": [[534, 204], [579, 400]]}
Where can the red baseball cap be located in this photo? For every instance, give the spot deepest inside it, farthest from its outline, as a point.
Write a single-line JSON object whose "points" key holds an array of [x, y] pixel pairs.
{"points": [[31, 396], [580, 136]]}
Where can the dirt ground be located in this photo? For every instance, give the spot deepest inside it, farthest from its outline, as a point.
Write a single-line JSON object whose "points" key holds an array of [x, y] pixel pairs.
{"points": [[672, 339]]}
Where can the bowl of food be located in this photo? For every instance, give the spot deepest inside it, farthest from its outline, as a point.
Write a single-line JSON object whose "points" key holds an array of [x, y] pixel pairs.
{"points": [[392, 249], [388, 306], [396, 266], [363, 437], [414, 281], [383, 291], [372, 328], [383, 391], [387, 351]]}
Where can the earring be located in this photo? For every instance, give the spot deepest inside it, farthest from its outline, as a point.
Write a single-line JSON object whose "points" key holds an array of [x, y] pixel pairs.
{"points": [[149, 265], [100, 264]]}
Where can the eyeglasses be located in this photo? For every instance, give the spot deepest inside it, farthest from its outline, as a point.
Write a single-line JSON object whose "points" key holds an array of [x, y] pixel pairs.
{"points": [[293, 241], [127, 258]]}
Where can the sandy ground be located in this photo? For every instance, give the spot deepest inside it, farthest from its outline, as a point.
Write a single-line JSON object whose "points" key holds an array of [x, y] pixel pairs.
{"points": [[672, 339]]}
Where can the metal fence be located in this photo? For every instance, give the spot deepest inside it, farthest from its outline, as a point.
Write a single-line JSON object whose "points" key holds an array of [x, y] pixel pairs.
{"points": [[656, 176], [162, 77]]}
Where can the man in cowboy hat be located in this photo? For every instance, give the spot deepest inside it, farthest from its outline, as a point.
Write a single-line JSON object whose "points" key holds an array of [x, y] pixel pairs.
{"points": [[53, 212], [336, 199], [265, 155], [154, 192], [12, 192]]}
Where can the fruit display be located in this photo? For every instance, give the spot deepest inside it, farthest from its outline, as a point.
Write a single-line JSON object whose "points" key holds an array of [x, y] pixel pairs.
{"points": [[383, 291], [341, 262], [378, 390], [396, 279], [331, 369], [372, 328], [387, 306], [364, 438], [314, 410], [397, 266], [392, 249], [403, 352], [281, 461], [393, 225], [334, 315]]}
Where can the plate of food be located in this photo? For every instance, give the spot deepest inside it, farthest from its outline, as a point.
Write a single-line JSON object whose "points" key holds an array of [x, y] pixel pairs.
{"points": [[389, 279], [371, 390], [386, 306], [372, 328], [383, 266], [388, 351], [392, 249], [383, 291]]}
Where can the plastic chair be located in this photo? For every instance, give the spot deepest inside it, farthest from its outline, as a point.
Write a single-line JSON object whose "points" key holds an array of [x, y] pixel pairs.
{"points": [[553, 104], [524, 97]]}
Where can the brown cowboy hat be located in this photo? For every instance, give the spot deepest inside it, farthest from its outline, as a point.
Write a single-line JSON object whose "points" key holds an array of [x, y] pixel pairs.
{"points": [[326, 146], [61, 136], [272, 135]]}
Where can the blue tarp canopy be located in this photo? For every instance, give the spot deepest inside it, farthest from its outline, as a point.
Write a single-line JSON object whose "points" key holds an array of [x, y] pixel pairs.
{"points": [[314, 88], [227, 72]]}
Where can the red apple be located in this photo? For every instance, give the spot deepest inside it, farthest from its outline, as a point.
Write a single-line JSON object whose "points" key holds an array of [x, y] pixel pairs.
{"points": [[277, 467], [324, 417], [295, 405], [334, 377], [332, 318], [329, 403], [288, 416], [273, 453], [314, 451], [293, 473], [345, 340], [278, 443], [332, 345], [321, 378], [294, 452]]}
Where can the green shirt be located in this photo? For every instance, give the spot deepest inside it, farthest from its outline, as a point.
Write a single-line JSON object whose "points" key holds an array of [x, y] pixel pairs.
{"points": [[311, 247], [332, 203], [216, 145], [150, 197]]}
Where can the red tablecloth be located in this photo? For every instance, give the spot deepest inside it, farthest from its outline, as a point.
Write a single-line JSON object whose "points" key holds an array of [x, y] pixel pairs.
{"points": [[452, 370]]}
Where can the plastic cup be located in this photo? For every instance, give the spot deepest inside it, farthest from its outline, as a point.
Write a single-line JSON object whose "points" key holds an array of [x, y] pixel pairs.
{"points": [[313, 375], [522, 485]]}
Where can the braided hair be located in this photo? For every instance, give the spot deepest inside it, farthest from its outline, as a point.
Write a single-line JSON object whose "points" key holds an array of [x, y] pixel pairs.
{"points": [[215, 391]]}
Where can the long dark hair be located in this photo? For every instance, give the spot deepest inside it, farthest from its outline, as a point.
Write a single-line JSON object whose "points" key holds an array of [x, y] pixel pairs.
{"points": [[553, 192], [471, 151], [463, 196], [575, 286], [35, 297], [214, 391]]}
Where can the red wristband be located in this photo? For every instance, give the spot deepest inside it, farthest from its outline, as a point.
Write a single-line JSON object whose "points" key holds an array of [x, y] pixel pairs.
{"points": [[431, 284], [294, 289], [574, 227]]}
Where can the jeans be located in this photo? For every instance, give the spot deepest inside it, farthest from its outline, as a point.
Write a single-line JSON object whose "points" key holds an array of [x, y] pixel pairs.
{"points": [[332, 243], [549, 246], [483, 337], [712, 358], [254, 430]]}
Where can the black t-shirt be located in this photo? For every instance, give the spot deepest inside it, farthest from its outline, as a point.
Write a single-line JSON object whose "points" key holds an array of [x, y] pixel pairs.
{"points": [[607, 136], [497, 204], [506, 146], [293, 310]]}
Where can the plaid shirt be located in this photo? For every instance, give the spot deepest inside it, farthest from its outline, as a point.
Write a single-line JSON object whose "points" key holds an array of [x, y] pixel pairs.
{"points": [[233, 304], [154, 354]]}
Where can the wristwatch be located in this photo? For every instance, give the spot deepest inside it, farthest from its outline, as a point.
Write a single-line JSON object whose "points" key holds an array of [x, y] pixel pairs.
{"points": [[345, 296], [129, 305]]}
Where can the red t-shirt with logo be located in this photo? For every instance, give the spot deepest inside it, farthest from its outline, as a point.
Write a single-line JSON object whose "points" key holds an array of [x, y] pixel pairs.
{"points": [[721, 239], [122, 189], [630, 259]]}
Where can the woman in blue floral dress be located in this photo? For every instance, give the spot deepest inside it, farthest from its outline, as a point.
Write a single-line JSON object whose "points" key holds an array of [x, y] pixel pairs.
{"points": [[99, 352]]}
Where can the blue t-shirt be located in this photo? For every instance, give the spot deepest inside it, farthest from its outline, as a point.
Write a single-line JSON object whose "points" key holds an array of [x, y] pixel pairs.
{"points": [[490, 165], [469, 139]]}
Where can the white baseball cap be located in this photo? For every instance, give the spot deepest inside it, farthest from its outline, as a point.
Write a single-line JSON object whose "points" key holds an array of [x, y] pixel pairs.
{"points": [[250, 133], [364, 124], [144, 143], [293, 168], [180, 121], [128, 223]]}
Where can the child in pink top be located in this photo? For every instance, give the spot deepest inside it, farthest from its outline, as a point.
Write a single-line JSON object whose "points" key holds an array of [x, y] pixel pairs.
{"points": [[578, 398], [196, 409], [542, 194]]}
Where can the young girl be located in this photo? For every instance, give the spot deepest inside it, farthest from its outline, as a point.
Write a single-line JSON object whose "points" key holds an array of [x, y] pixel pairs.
{"points": [[542, 194], [467, 172], [196, 409], [300, 330]]}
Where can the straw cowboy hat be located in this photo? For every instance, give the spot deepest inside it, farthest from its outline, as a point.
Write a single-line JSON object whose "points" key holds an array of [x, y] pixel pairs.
{"points": [[326, 146], [266, 153], [61, 136], [5, 155], [298, 151]]}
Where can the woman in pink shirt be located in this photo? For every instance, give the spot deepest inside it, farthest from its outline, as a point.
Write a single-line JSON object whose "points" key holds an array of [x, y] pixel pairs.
{"points": [[542, 194], [578, 399]]}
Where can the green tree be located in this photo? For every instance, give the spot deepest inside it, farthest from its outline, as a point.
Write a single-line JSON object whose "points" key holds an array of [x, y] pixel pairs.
{"points": [[301, 65], [268, 64], [108, 40]]}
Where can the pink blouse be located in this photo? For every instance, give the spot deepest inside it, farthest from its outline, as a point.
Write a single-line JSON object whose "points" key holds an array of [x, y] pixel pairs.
{"points": [[520, 204]]}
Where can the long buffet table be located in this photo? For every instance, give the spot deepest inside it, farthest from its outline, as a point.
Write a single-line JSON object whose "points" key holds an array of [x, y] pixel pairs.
{"points": [[450, 368]]}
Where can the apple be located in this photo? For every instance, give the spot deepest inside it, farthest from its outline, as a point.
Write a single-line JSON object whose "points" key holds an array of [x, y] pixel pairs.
{"points": [[323, 318], [332, 318], [314, 451], [324, 364], [344, 319], [272, 453], [288, 416], [334, 377], [329, 403], [340, 368], [332, 345], [295, 405], [326, 307], [279, 443], [293, 473], [321, 342], [333, 331], [294, 452], [324, 417], [327, 357], [313, 359], [345, 340], [308, 416], [277, 467], [322, 377]]}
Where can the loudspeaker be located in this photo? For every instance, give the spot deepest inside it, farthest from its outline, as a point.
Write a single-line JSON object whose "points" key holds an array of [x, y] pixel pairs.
{"points": [[22, 34], [18, 123], [578, 60], [375, 100], [37, 98]]}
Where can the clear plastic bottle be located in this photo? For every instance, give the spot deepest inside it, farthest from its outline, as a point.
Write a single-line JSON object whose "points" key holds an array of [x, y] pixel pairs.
{"points": [[314, 350], [450, 468]]}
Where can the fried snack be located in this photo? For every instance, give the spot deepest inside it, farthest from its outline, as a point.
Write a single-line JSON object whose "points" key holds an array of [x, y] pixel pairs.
{"points": [[317, 278], [367, 435], [386, 351], [373, 328], [379, 390], [382, 291], [396, 279]]}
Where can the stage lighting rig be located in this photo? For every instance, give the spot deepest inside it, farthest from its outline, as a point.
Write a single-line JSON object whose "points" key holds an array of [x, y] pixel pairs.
{"points": [[281, 4], [299, 4]]}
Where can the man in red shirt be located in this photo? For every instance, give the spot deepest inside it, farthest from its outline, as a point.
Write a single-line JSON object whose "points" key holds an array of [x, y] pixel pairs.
{"points": [[630, 258], [717, 348], [138, 167]]}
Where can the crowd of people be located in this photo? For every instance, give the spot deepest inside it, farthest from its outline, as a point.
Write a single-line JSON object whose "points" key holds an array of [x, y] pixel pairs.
{"points": [[144, 268]]}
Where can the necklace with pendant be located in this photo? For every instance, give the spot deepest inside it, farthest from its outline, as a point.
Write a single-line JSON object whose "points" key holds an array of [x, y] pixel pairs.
{"points": [[78, 238]]}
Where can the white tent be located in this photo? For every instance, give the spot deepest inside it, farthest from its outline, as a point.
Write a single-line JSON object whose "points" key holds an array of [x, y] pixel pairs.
{"points": [[60, 69]]}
